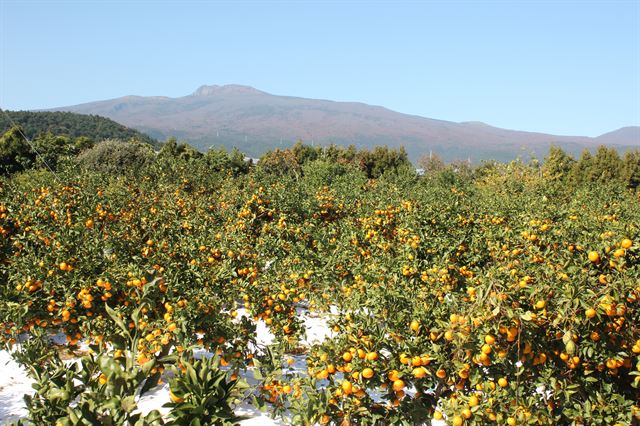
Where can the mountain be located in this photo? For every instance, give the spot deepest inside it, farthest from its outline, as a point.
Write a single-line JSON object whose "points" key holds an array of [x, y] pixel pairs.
{"points": [[70, 124], [256, 121], [624, 136]]}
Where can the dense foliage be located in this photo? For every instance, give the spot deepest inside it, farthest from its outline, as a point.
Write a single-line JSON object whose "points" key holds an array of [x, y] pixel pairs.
{"points": [[70, 125], [117, 157], [17, 153], [496, 295], [604, 167], [373, 163]]}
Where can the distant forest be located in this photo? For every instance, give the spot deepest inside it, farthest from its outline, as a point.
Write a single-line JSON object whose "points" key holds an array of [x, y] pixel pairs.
{"points": [[71, 125]]}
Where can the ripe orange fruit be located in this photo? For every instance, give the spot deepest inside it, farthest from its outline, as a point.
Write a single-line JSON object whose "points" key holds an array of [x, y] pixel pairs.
{"points": [[414, 326], [457, 421], [437, 415], [594, 257], [398, 385], [322, 374], [419, 372], [347, 387], [619, 252], [590, 313], [347, 356], [393, 375], [473, 401], [626, 243], [502, 382], [612, 363], [466, 413], [367, 373], [489, 339]]}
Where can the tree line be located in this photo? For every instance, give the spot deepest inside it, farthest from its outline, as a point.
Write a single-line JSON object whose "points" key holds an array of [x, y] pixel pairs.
{"points": [[116, 155], [604, 166]]}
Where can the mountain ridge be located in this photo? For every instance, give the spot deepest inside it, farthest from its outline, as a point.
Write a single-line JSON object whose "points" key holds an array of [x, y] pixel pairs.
{"points": [[257, 121]]}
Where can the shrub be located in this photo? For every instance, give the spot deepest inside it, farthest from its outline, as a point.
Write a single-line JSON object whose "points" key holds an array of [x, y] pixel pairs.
{"points": [[114, 157]]}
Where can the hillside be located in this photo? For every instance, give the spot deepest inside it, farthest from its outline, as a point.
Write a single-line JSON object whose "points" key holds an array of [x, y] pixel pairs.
{"points": [[624, 136], [72, 125], [255, 121]]}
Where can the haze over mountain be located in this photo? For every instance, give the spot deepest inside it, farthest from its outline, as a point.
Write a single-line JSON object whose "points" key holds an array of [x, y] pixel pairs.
{"points": [[256, 121]]}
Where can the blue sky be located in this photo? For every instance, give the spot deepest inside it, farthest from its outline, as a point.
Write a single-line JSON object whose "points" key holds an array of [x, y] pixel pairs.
{"points": [[569, 67]]}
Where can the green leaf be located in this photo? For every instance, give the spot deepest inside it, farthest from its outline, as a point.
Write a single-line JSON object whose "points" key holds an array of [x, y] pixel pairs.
{"points": [[148, 366], [116, 318], [526, 316], [257, 374], [191, 373], [57, 394], [112, 404], [129, 403]]}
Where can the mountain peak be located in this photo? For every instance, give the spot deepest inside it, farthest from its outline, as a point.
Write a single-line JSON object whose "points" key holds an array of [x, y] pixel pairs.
{"points": [[225, 89], [475, 123], [629, 135]]}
